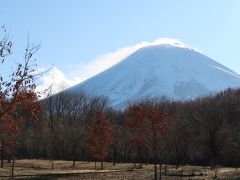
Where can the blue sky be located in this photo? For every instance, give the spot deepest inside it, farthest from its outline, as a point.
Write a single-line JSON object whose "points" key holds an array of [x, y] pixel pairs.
{"points": [[75, 33]]}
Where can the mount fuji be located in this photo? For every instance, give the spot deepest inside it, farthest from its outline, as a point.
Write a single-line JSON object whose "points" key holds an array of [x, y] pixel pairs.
{"points": [[176, 71]]}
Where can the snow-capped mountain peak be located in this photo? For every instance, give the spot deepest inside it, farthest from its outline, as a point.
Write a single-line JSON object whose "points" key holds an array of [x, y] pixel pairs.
{"points": [[170, 69]]}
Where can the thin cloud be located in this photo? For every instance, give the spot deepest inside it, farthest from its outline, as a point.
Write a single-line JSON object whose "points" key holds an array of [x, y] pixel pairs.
{"points": [[105, 61]]}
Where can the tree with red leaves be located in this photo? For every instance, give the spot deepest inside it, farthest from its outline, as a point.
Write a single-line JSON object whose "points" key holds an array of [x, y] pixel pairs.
{"points": [[157, 132], [18, 96], [138, 130], [147, 124], [100, 137]]}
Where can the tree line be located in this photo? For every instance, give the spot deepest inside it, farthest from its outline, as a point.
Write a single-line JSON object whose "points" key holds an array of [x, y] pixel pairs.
{"points": [[76, 127]]}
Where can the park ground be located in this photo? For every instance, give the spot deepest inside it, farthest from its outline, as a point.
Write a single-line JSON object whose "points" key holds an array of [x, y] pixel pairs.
{"points": [[42, 169]]}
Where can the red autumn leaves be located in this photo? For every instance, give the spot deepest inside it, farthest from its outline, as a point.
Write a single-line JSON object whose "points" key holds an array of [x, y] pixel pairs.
{"points": [[18, 96], [147, 127], [100, 136]]}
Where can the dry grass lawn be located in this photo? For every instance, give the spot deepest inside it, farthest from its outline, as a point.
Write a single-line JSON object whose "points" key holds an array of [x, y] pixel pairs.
{"points": [[42, 169]]}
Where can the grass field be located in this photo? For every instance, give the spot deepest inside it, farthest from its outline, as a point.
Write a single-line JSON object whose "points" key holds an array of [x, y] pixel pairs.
{"points": [[42, 169]]}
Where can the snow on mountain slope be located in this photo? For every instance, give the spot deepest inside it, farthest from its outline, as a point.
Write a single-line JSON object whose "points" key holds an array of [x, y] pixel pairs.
{"points": [[162, 70]]}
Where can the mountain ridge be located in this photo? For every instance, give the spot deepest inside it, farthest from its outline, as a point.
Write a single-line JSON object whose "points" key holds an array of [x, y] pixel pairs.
{"points": [[176, 72]]}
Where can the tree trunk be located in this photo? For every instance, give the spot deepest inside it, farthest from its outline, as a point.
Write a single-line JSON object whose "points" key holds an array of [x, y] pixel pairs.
{"points": [[9, 159], [83, 155], [13, 165], [165, 169], [139, 160], [52, 166], [101, 165], [160, 171], [155, 154], [155, 170], [124, 152], [2, 156], [74, 154], [137, 157], [114, 155]]}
